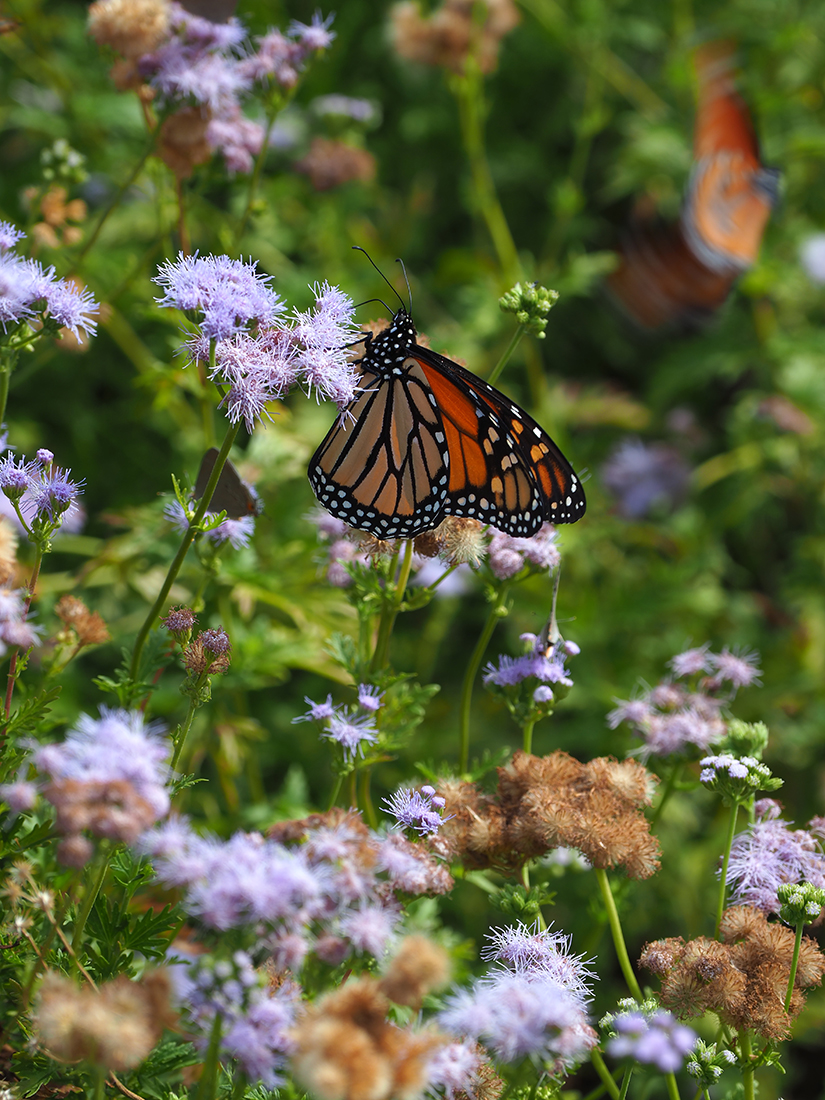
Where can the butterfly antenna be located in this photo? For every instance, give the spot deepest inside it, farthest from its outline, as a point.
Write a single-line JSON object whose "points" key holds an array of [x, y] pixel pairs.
{"points": [[406, 280], [370, 300], [358, 248]]}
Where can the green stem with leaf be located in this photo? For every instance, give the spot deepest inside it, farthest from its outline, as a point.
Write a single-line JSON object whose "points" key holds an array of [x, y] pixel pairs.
{"points": [[389, 613], [616, 933], [89, 898], [515, 340], [723, 878], [797, 944]]}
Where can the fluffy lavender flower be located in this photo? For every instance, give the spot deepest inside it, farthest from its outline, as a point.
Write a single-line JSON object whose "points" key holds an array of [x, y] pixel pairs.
{"points": [[23, 283], [53, 494], [118, 746], [239, 139], [9, 236], [369, 697], [740, 669], [370, 928], [317, 712], [237, 532], [454, 1069], [72, 306], [658, 1040], [417, 810], [344, 106], [508, 555], [20, 796], [769, 854], [228, 294], [327, 525], [324, 334], [692, 661], [528, 949], [537, 664], [637, 712], [640, 475], [351, 732], [16, 476], [315, 35]]}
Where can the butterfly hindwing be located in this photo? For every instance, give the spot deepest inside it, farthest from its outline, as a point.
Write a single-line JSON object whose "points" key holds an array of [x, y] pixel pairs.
{"points": [[232, 494]]}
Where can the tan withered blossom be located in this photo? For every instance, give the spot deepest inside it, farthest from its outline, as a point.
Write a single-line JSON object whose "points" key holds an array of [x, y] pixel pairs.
{"points": [[114, 1026], [111, 809], [56, 210], [555, 801], [130, 27], [347, 1049], [743, 979], [452, 32], [8, 551], [88, 626], [330, 163], [456, 540], [182, 143], [420, 966]]}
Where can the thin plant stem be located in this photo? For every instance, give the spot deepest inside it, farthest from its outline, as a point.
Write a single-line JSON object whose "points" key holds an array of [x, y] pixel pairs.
{"points": [[747, 1072], [604, 1073], [353, 789], [256, 173], [628, 1073], [88, 901], [118, 196], [366, 798], [797, 944], [38, 561], [99, 1091], [208, 1086], [186, 542], [527, 742], [723, 883], [672, 1086], [617, 934], [336, 790], [5, 379], [187, 722], [470, 675], [515, 340], [183, 233], [390, 613]]}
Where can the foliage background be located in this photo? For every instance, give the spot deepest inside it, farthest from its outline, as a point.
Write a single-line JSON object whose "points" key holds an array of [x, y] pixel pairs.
{"points": [[591, 106]]}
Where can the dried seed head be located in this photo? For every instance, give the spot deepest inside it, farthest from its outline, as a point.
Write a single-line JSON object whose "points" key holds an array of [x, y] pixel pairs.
{"points": [[419, 967], [182, 144], [132, 27]]}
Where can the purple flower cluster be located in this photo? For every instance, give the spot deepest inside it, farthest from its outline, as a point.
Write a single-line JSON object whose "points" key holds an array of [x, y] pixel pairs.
{"points": [[539, 663], [453, 1070], [420, 811], [533, 1004], [345, 725], [210, 65], [653, 1039], [641, 475], [769, 854], [28, 290], [672, 716], [255, 1020], [507, 555], [324, 895], [257, 356], [14, 629], [45, 494], [237, 532]]}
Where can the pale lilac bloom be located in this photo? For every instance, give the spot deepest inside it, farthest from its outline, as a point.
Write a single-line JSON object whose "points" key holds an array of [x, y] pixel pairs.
{"points": [[237, 532], [641, 475], [536, 664], [239, 139], [318, 712], [735, 768], [769, 854], [812, 257], [417, 810], [316, 35], [454, 1069], [542, 695], [635, 711], [9, 236], [72, 306], [541, 551], [738, 668], [21, 795], [324, 333], [410, 868], [692, 661], [26, 289], [351, 733], [328, 525], [369, 697], [370, 928], [658, 1040], [52, 495], [530, 949], [16, 475]]}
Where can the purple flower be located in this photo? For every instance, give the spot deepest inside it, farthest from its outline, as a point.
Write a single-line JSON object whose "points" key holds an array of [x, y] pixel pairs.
{"points": [[528, 949], [453, 1069], [9, 236], [239, 139], [370, 928], [53, 494], [350, 732], [740, 669], [658, 1040], [325, 333], [228, 294], [641, 475], [769, 854], [318, 712], [71, 306], [316, 35], [16, 476], [369, 697], [692, 661], [812, 257], [508, 554], [417, 810], [537, 664], [21, 795]]}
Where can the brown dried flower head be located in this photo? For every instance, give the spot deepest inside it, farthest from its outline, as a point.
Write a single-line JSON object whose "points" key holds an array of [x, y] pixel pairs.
{"points": [[131, 27], [346, 1049], [419, 967], [108, 809], [87, 625], [461, 540], [8, 551], [182, 143], [452, 33], [56, 211], [330, 163], [114, 1026]]}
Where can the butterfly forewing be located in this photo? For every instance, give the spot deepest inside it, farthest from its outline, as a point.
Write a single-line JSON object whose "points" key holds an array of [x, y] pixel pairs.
{"points": [[426, 439]]}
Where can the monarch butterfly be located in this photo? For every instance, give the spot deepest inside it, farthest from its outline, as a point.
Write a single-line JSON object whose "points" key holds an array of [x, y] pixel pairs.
{"points": [[684, 271], [232, 494], [425, 439]]}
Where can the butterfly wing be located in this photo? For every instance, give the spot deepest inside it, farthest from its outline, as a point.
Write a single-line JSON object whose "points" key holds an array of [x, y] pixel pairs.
{"points": [[232, 495]]}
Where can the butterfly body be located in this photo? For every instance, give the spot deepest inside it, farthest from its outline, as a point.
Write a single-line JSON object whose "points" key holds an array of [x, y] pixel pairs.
{"points": [[425, 439]]}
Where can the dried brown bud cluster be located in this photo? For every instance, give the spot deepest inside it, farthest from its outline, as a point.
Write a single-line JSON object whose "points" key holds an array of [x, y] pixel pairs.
{"points": [[743, 979], [452, 33], [8, 551], [111, 809], [347, 1049], [56, 209], [88, 627], [131, 27], [555, 801], [456, 540], [419, 967], [182, 143], [114, 1026], [330, 163]]}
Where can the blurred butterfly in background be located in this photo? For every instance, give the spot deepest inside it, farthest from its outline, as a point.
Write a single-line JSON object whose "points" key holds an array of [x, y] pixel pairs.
{"points": [[232, 494], [683, 272], [425, 439]]}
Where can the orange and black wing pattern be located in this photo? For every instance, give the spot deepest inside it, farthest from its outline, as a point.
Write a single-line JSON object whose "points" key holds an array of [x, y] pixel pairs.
{"points": [[426, 439]]}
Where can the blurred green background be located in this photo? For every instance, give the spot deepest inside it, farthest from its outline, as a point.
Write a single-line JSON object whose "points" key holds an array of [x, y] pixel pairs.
{"points": [[590, 108]]}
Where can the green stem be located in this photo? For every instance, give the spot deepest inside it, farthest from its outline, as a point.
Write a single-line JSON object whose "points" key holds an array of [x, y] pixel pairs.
{"points": [[186, 542], [390, 611], [470, 675], [515, 340], [672, 1086], [527, 741], [187, 722], [667, 791], [256, 173], [353, 789], [208, 1087], [366, 798], [604, 1073], [99, 1091], [5, 379], [88, 901], [469, 91], [797, 944], [628, 1073], [336, 790], [747, 1071], [121, 191], [616, 932], [723, 884], [12, 677]]}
